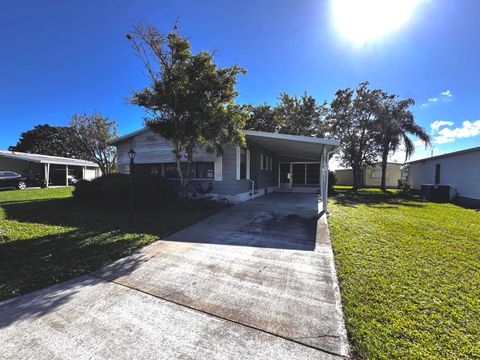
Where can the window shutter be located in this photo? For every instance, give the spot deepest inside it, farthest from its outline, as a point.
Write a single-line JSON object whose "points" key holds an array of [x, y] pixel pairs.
{"points": [[248, 164], [218, 168], [237, 163]]}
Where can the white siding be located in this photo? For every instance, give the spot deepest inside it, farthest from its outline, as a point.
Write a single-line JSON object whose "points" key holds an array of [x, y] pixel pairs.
{"points": [[461, 171]]}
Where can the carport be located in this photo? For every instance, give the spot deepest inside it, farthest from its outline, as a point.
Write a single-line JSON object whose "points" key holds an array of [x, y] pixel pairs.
{"points": [[54, 170], [301, 161]]}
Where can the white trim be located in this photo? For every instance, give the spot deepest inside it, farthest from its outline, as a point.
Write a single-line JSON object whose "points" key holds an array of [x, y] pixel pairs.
{"points": [[237, 162], [291, 137], [217, 168], [261, 161], [248, 164]]}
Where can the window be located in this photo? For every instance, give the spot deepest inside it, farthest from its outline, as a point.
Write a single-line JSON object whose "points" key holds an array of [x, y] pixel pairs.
{"points": [[376, 174], [243, 163], [204, 170], [271, 164], [437, 174], [261, 161], [200, 170], [9, 174], [171, 170], [313, 174], [265, 165]]}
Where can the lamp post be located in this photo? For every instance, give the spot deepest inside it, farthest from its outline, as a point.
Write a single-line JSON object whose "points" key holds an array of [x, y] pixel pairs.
{"points": [[131, 155]]}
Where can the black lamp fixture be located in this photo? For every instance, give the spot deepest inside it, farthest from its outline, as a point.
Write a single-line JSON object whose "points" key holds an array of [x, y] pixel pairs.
{"points": [[131, 154]]}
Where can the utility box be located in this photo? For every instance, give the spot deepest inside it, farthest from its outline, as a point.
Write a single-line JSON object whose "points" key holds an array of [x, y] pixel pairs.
{"points": [[435, 193]]}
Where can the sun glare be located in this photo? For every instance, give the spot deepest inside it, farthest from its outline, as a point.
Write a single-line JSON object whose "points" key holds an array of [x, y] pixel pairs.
{"points": [[364, 21]]}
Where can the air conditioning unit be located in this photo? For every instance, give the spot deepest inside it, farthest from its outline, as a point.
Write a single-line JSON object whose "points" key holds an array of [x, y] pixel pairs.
{"points": [[436, 193]]}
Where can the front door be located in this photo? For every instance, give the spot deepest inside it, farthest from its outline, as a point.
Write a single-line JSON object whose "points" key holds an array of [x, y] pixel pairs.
{"points": [[285, 176]]}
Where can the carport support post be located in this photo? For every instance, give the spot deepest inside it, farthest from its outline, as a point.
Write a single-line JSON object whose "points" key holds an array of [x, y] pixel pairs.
{"points": [[47, 174], [325, 179], [66, 175]]}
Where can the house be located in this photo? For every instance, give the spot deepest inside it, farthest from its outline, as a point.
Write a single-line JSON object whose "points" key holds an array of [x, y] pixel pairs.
{"points": [[371, 176], [460, 170], [50, 170], [269, 162]]}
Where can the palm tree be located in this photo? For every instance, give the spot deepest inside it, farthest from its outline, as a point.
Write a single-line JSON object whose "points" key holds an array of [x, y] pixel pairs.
{"points": [[395, 125]]}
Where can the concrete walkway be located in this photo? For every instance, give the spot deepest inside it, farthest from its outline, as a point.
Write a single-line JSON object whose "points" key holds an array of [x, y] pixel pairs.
{"points": [[255, 281]]}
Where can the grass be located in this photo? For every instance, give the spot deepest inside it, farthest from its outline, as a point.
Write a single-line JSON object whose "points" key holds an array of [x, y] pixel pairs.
{"points": [[409, 274], [46, 237]]}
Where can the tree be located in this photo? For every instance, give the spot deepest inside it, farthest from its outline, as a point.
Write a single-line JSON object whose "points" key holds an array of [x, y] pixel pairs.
{"points": [[291, 115], [190, 100], [395, 122], [351, 120], [300, 116], [93, 134], [262, 118], [49, 140]]}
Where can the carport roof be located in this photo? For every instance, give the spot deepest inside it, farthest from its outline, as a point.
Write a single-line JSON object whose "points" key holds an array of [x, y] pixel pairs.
{"points": [[45, 159], [302, 147]]}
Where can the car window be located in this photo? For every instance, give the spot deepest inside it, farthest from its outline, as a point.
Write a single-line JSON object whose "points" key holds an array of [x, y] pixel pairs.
{"points": [[1, 174], [9, 173]]}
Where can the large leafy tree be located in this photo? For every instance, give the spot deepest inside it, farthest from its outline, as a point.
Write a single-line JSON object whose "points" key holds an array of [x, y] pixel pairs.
{"points": [[93, 134], [49, 140], [291, 115], [351, 119], [262, 118], [394, 125], [300, 115], [190, 100]]}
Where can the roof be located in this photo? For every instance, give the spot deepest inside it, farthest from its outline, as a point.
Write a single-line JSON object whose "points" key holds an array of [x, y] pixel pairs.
{"points": [[45, 159], [127, 136], [455, 153], [305, 146]]}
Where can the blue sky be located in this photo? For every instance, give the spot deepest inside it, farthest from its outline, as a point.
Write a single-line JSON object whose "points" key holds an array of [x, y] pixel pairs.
{"points": [[65, 57]]}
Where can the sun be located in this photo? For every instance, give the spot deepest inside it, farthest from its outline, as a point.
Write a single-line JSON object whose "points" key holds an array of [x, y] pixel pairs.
{"points": [[364, 21]]}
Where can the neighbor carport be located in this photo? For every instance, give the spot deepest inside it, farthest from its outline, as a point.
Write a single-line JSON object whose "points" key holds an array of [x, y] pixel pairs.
{"points": [[54, 170]]}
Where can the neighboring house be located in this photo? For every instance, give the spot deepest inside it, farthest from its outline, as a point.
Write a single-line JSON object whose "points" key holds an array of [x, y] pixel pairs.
{"points": [[371, 176], [460, 170], [269, 162], [52, 170]]}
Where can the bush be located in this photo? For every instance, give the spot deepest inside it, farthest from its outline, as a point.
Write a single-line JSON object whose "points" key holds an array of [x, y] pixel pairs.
{"points": [[149, 191], [332, 181]]}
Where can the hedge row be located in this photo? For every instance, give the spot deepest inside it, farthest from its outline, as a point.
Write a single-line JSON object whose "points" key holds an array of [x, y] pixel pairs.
{"points": [[113, 191]]}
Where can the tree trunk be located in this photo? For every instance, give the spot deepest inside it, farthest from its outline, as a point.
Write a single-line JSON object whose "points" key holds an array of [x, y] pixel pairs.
{"points": [[179, 171], [383, 185], [355, 173]]}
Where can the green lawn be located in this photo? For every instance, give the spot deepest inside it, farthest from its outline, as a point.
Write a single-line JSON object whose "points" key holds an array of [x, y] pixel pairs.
{"points": [[409, 275], [46, 237]]}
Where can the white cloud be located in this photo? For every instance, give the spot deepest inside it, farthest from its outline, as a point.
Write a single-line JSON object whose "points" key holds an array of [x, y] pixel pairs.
{"points": [[468, 129], [445, 97], [437, 124]]}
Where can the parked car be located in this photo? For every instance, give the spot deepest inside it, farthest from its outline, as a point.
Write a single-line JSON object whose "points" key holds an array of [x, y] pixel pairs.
{"points": [[12, 180]]}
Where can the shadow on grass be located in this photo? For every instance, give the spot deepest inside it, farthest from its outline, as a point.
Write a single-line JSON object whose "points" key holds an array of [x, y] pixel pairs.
{"points": [[86, 240], [28, 264], [377, 199]]}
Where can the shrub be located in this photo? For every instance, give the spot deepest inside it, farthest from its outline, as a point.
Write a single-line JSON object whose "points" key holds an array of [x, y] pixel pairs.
{"points": [[149, 191], [332, 181]]}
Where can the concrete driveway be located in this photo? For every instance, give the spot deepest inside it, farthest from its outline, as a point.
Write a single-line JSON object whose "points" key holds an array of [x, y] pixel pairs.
{"points": [[255, 281]]}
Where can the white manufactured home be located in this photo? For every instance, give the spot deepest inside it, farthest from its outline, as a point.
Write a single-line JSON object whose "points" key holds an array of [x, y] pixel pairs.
{"points": [[269, 162], [460, 170], [371, 176]]}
